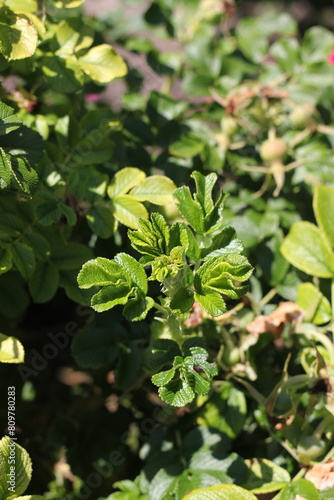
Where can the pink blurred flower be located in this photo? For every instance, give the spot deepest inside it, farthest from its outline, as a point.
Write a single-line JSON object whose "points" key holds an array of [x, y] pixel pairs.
{"points": [[93, 97], [331, 57]]}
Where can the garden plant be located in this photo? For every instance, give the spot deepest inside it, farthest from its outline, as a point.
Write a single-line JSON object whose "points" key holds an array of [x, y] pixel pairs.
{"points": [[166, 251]]}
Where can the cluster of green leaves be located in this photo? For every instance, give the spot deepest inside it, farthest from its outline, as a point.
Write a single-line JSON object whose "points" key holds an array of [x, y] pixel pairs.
{"points": [[188, 268], [219, 265]]}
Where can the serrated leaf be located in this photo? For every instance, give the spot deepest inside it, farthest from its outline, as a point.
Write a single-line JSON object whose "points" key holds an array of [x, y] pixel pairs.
{"points": [[220, 492], [101, 221], [44, 282], [5, 169], [190, 209], [137, 308], [220, 274], [213, 303], [223, 243], [302, 487], [23, 143], [11, 350], [156, 189], [18, 36], [39, 244], [163, 378], [9, 121], [162, 353], [204, 187], [264, 476], [110, 296], [124, 180], [323, 206], [23, 258], [23, 468], [177, 393], [134, 269], [103, 64], [102, 272], [306, 248], [48, 212], [182, 300], [24, 174], [128, 210]]}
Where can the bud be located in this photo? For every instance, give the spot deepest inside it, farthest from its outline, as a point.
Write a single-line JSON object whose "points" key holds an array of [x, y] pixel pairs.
{"points": [[301, 116], [273, 149]]}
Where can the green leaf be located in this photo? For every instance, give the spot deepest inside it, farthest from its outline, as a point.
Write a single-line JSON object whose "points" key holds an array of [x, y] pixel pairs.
{"points": [[24, 174], [5, 169], [22, 5], [220, 492], [182, 301], [187, 146], [128, 368], [219, 274], [5, 260], [23, 258], [97, 347], [103, 64], [226, 410], [177, 393], [190, 209], [264, 476], [101, 221], [110, 296], [161, 353], [306, 248], [134, 269], [102, 272], [68, 281], [327, 494], [23, 468], [323, 206], [204, 187], [18, 36], [225, 242], [70, 255], [301, 487], [124, 180], [211, 302], [156, 189], [9, 121], [137, 308], [163, 378], [11, 350], [44, 282], [128, 210], [24, 143], [68, 4], [48, 212], [316, 306], [64, 75], [73, 36], [30, 497]]}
